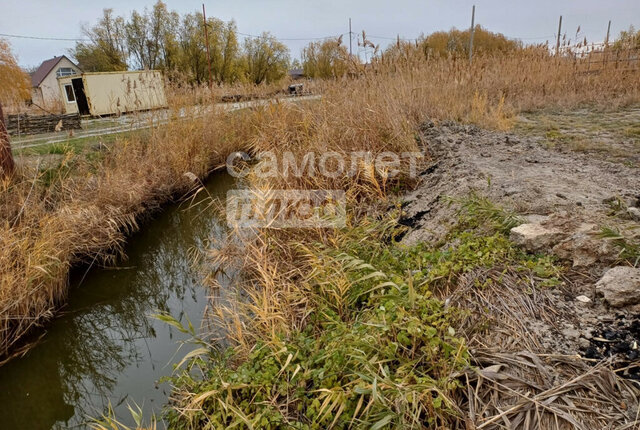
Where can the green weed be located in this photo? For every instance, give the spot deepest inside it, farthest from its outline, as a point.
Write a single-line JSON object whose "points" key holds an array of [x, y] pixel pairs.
{"points": [[632, 131], [376, 339], [627, 241], [378, 349]]}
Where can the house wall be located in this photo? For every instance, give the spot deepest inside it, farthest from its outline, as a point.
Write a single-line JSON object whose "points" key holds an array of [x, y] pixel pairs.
{"points": [[49, 85], [36, 96], [67, 106], [119, 92]]}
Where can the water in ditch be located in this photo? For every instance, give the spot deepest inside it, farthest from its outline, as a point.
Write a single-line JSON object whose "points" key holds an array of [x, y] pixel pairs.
{"points": [[105, 348]]}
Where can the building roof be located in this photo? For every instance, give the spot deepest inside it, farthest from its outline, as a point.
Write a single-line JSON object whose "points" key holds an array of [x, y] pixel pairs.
{"points": [[297, 72], [47, 66]]}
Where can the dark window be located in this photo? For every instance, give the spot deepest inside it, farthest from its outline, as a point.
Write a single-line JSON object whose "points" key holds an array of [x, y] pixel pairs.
{"points": [[71, 97]]}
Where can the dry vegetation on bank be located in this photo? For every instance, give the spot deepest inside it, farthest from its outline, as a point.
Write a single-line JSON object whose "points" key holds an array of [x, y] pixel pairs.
{"points": [[82, 209], [344, 328]]}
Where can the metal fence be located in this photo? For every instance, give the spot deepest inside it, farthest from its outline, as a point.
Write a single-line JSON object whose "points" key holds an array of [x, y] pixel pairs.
{"points": [[597, 57]]}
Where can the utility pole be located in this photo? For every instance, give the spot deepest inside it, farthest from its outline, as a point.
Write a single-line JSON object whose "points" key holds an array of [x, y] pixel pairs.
{"points": [[559, 32], [350, 39], [473, 18], [7, 166], [605, 60], [206, 38]]}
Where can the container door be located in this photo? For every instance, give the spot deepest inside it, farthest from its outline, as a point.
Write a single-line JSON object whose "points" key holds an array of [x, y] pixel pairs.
{"points": [[81, 97]]}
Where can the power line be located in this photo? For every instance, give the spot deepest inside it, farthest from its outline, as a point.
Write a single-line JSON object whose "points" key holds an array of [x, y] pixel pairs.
{"points": [[293, 38], [247, 35], [391, 38], [64, 39]]}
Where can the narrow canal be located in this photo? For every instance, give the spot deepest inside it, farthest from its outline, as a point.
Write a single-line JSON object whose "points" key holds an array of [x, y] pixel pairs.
{"points": [[105, 348]]}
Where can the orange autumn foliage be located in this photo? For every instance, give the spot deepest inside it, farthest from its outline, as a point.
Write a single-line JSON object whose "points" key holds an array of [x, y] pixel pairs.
{"points": [[14, 82]]}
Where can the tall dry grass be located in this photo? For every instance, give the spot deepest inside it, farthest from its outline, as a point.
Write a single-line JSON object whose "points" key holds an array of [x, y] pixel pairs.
{"points": [[81, 210], [82, 207], [380, 108], [179, 93]]}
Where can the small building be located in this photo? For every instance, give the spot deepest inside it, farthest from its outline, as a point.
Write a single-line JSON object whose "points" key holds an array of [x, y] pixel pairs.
{"points": [[109, 93], [296, 73], [45, 90]]}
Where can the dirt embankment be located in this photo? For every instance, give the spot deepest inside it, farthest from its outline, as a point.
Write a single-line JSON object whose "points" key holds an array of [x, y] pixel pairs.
{"points": [[517, 172], [551, 336], [567, 191]]}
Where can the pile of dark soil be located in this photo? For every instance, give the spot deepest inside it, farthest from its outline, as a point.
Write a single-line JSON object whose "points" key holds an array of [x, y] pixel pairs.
{"points": [[618, 340]]}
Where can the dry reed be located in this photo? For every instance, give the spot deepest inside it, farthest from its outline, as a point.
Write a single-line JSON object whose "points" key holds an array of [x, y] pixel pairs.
{"points": [[81, 211], [379, 108], [82, 207]]}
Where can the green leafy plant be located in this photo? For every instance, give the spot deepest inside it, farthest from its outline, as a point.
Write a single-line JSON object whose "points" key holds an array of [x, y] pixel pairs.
{"points": [[476, 211], [377, 349], [627, 241]]}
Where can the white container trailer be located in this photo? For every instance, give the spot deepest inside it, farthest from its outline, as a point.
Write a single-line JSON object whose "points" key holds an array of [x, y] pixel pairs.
{"points": [[109, 93]]}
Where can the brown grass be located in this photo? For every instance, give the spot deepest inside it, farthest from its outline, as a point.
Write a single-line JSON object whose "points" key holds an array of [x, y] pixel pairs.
{"points": [[82, 211], [381, 110]]}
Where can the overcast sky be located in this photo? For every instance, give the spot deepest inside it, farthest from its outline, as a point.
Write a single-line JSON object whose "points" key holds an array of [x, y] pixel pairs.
{"points": [[530, 20]]}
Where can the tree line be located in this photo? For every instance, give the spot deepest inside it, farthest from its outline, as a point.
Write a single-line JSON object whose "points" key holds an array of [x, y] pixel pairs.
{"points": [[158, 38]]}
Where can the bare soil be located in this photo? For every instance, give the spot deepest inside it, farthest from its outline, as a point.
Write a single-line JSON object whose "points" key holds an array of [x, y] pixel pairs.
{"points": [[516, 171], [521, 171]]}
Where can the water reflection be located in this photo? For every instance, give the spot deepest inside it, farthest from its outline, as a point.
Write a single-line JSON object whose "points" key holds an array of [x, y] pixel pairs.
{"points": [[104, 347]]}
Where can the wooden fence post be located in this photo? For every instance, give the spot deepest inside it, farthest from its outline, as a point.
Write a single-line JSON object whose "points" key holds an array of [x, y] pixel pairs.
{"points": [[558, 40], [7, 165]]}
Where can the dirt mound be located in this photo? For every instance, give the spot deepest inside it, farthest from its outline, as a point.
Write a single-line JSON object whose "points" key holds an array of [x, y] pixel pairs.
{"points": [[567, 193], [566, 198], [513, 171]]}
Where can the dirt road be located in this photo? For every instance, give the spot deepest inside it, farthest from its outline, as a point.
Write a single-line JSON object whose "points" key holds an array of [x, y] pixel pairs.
{"points": [[97, 127]]}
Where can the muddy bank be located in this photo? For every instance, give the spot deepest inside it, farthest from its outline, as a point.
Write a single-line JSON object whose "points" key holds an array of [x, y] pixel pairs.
{"points": [[570, 189], [515, 171]]}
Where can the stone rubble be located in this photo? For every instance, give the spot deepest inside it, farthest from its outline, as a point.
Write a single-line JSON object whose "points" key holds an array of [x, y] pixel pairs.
{"points": [[620, 286]]}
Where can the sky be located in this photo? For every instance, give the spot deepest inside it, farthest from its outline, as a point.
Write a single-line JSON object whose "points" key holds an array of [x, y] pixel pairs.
{"points": [[532, 21]]}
